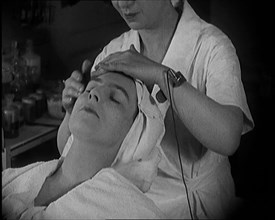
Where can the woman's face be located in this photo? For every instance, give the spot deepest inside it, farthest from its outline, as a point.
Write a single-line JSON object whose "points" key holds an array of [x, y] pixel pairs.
{"points": [[105, 111], [141, 14]]}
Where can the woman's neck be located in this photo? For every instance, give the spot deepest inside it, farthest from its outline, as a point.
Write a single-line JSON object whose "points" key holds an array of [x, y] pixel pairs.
{"points": [[83, 161], [155, 41]]}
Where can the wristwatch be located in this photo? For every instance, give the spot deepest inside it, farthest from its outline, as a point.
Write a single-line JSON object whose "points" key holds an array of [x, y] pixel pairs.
{"points": [[176, 78]]}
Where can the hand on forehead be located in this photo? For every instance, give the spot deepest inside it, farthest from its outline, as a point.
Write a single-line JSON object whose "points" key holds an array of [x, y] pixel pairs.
{"points": [[118, 77]]}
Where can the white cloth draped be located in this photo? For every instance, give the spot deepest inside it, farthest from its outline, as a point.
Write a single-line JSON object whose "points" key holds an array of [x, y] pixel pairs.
{"points": [[107, 195]]}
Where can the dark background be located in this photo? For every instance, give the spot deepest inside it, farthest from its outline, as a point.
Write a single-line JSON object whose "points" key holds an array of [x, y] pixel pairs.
{"points": [[79, 29]]}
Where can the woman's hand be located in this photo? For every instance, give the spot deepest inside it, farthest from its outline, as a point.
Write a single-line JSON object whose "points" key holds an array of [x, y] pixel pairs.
{"points": [[131, 63], [74, 87]]}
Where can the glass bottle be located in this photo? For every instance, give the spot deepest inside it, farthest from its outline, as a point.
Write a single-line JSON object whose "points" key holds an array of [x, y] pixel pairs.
{"points": [[10, 118], [18, 67], [18, 87], [18, 63], [6, 77], [33, 62]]}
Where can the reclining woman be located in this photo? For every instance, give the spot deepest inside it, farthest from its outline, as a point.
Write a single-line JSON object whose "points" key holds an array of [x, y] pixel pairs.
{"points": [[117, 131]]}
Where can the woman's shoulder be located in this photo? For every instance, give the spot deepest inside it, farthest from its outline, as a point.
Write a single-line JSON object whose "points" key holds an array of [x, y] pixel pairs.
{"points": [[214, 36]]}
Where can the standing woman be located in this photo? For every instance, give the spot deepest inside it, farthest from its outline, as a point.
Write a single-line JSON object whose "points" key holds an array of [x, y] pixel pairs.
{"points": [[168, 43]]}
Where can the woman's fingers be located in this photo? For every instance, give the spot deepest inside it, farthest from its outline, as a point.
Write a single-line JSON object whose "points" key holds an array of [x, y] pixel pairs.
{"points": [[70, 93], [73, 91], [118, 62], [73, 88], [110, 67], [69, 96], [86, 66], [111, 58], [74, 82], [76, 75], [100, 70], [67, 100]]}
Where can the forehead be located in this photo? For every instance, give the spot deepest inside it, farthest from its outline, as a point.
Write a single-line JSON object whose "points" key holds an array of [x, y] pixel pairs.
{"points": [[118, 78], [121, 80]]}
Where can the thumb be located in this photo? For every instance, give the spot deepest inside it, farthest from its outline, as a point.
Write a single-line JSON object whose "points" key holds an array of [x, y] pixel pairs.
{"points": [[132, 48], [86, 66]]}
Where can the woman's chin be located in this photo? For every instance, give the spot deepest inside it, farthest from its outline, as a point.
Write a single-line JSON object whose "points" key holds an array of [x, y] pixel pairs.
{"points": [[135, 25]]}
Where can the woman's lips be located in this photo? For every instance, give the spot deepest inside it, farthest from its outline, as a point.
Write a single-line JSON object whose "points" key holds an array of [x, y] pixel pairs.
{"points": [[90, 110], [130, 16]]}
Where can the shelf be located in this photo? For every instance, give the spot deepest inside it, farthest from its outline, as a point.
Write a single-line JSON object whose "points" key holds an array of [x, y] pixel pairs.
{"points": [[30, 136]]}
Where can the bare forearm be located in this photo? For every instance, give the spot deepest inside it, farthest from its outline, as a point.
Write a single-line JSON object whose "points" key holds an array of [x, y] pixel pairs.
{"points": [[63, 133], [218, 127]]}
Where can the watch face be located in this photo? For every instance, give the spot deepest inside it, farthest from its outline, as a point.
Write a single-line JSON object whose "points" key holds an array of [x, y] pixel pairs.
{"points": [[176, 77]]}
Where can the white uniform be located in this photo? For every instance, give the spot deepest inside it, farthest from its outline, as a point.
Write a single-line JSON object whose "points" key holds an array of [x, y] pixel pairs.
{"points": [[208, 60]]}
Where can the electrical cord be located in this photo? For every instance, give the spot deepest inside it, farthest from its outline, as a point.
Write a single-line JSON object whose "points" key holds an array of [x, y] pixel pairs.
{"points": [[174, 123]]}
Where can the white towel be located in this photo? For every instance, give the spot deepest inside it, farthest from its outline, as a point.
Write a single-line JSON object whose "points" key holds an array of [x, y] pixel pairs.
{"points": [[107, 195], [139, 154], [20, 186]]}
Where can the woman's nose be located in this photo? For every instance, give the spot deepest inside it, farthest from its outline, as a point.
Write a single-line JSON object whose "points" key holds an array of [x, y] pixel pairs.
{"points": [[94, 96], [99, 94]]}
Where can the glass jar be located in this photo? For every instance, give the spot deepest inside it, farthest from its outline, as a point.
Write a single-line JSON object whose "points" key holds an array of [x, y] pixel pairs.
{"points": [[29, 109], [44, 99], [19, 106], [38, 103]]}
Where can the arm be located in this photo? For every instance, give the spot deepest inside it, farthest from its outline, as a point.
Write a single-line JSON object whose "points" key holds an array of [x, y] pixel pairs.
{"points": [[218, 127], [73, 88]]}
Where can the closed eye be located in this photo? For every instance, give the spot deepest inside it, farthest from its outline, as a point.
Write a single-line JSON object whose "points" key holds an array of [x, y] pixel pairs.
{"points": [[114, 100]]}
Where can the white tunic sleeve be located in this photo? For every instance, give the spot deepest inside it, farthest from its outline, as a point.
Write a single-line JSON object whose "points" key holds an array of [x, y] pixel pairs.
{"points": [[223, 82]]}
